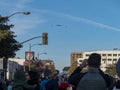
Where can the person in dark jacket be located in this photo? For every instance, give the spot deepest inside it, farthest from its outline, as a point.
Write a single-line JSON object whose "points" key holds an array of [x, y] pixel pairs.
{"points": [[93, 79], [117, 84], [32, 78], [20, 83], [52, 84], [3, 84]]}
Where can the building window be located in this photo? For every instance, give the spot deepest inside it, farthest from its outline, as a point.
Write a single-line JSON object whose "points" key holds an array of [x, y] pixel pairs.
{"points": [[87, 54], [114, 59], [80, 60], [79, 56], [118, 54], [109, 54], [114, 54], [73, 56], [103, 54], [109, 59], [104, 59]]}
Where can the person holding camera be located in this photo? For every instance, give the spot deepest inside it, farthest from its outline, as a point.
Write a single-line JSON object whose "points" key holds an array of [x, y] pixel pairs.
{"points": [[93, 79]]}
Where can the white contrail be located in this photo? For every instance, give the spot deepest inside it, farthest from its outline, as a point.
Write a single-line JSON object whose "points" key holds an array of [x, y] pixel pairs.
{"points": [[94, 23], [83, 20]]}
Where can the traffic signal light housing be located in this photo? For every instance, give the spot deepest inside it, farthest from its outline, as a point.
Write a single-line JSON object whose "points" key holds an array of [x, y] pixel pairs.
{"points": [[45, 38]]}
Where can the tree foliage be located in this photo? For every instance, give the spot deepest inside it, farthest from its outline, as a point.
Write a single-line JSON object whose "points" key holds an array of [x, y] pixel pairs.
{"points": [[8, 44], [111, 70], [66, 68]]}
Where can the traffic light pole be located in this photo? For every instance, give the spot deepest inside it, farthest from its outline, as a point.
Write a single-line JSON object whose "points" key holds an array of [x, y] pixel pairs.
{"points": [[29, 57], [30, 39], [44, 37], [30, 48], [44, 42]]}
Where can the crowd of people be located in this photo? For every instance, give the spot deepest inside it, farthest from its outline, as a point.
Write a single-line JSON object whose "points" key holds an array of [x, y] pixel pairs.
{"points": [[34, 80], [93, 79]]}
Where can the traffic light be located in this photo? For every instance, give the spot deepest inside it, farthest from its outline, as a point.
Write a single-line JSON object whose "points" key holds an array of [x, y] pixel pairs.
{"points": [[45, 38]]}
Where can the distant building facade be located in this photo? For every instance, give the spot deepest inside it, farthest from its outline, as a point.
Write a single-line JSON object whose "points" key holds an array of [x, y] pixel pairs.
{"points": [[75, 56], [107, 57]]}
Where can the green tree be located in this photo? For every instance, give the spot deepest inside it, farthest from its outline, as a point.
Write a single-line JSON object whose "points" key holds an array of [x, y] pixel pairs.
{"points": [[66, 68], [8, 43], [111, 70]]}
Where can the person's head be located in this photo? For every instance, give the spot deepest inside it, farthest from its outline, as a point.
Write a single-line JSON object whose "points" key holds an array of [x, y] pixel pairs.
{"points": [[94, 60], [19, 75], [32, 76], [27, 76], [47, 72]]}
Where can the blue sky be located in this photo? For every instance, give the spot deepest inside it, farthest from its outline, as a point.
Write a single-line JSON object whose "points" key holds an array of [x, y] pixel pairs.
{"points": [[85, 25]]}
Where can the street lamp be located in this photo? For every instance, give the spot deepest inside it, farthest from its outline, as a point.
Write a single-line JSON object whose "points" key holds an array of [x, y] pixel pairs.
{"points": [[6, 17], [25, 13], [41, 54], [32, 46]]}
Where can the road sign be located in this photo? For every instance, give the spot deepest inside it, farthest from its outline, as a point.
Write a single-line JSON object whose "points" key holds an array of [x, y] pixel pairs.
{"points": [[29, 55]]}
